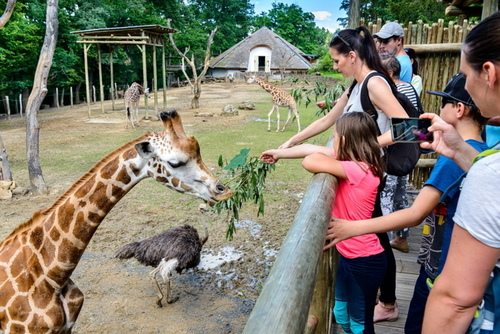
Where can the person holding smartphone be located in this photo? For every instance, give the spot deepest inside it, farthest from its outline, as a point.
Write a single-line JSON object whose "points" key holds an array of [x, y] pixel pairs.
{"points": [[459, 110]]}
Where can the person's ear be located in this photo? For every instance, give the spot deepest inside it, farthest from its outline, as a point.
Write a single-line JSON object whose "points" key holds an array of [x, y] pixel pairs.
{"points": [[461, 110], [490, 73]]}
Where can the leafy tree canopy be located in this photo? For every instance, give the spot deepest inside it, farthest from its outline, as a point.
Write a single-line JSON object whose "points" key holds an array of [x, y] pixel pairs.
{"points": [[404, 11]]}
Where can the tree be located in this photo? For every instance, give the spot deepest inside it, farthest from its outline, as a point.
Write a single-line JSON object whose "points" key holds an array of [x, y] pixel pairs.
{"points": [[36, 98], [233, 17], [9, 9], [294, 25], [195, 83], [404, 11]]}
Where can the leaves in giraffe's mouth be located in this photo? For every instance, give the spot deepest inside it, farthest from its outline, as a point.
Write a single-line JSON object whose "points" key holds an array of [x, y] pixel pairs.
{"points": [[247, 177]]}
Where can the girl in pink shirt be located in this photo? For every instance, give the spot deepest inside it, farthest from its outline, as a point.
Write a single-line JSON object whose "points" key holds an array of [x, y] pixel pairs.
{"points": [[357, 163]]}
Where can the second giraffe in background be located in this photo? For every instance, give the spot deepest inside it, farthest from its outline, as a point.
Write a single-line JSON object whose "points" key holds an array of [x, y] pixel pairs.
{"points": [[280, 99], [132, 97]]}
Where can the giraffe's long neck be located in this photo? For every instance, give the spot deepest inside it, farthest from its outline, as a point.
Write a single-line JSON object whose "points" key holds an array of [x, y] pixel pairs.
{"points": [[267, 87], [66, 228]]}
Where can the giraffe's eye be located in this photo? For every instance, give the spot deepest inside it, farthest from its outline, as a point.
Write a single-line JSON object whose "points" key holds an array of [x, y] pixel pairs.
{"points": [[176, 164]]}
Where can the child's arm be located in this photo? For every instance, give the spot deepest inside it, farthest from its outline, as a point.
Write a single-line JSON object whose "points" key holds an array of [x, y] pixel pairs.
{"points": [[426, 201], [321, 163], [295, 152]]}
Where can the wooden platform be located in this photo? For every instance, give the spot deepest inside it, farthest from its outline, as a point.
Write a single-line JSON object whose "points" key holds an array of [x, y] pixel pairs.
{"points": [[406, 275]]}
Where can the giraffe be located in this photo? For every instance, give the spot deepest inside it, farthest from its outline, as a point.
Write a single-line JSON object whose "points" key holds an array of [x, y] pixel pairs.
{"points": [[280, 99], [37, 259], [132, 97]]}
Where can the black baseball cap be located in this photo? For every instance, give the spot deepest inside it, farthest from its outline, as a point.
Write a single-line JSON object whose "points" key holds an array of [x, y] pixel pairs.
{"points": [[455, 90]]}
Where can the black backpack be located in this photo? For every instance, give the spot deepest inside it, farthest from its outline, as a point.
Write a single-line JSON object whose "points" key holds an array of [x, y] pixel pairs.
{"points": [[401, 158]]}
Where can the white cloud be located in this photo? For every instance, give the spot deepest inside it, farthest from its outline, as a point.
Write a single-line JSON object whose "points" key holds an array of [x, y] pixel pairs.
{"points": [[322, 15]]}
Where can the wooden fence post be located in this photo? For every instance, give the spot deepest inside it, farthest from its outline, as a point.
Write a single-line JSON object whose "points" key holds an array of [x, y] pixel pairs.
{"points": [[8, 106], [21, 105], [283, 305]]}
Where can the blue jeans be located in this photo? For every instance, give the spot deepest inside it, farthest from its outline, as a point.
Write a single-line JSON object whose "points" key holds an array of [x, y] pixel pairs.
{"points": [[356, 290], [417, 304]]}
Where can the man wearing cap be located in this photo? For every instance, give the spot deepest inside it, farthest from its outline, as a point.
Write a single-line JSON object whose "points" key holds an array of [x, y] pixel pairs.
{"points": [[441, 192], [391, 40]]}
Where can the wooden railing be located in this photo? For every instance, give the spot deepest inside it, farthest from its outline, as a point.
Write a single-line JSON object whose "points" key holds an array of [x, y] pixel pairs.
{"points": [[283, 306]]}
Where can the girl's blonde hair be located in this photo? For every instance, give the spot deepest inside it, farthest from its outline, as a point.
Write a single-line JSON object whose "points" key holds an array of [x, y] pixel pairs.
{"points": [[358, 134]]}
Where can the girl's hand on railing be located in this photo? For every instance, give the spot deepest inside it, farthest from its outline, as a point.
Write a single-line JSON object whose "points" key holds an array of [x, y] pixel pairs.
{"points": [[338, 230]]}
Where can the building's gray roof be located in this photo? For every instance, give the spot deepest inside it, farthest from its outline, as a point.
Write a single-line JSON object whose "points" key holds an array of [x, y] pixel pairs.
{"points": [[125, 31], [236, 57]]}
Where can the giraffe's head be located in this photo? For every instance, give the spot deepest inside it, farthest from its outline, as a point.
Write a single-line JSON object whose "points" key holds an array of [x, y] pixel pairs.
{"points": [[173, 159], [251, 79]]}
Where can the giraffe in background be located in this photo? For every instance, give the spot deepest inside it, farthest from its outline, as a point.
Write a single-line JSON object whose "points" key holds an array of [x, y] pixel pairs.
{"points": [[280, 99], [132, 97], [37, 259]]}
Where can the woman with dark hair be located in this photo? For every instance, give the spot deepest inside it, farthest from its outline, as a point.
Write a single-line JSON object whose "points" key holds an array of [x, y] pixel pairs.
{"points": [[473, 258], [354, 55]]}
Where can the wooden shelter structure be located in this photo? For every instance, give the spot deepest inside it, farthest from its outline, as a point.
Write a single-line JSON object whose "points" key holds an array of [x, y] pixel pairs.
{"points": [[141, 36]]}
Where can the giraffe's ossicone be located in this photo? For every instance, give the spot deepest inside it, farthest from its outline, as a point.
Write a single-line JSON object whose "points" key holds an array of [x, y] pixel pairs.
{"points": [[37, 259]]}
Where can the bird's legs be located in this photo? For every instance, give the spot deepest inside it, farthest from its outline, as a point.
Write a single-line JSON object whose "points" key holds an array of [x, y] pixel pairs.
{"points": [[152, 275], [165, 268]]}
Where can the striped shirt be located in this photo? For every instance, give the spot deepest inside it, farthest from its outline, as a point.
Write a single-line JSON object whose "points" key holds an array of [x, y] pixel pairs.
{"points": [[409, 91]]}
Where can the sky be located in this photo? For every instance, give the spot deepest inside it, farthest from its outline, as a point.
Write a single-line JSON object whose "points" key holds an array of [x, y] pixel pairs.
{"points": [[325, 12]]}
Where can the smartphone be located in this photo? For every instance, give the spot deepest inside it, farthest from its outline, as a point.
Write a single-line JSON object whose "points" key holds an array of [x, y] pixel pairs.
{"points": [[410, 130]]}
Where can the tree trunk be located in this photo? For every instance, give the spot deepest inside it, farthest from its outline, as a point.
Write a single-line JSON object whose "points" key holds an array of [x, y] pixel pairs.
{"points": [[5, 173], [77, 93], [196, 84], [9, 9], [36, 98], [354, 13]]}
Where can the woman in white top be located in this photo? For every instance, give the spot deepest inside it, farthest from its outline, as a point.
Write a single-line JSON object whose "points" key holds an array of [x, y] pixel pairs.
{"points": [[354, 55]]}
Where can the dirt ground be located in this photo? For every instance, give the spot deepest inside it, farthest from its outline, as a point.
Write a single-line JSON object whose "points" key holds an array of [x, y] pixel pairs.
{"points": [[217, 297]]}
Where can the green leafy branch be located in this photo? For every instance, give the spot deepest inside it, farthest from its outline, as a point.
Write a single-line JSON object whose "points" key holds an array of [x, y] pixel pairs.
{"points": [[320, 90], [247, 178]]}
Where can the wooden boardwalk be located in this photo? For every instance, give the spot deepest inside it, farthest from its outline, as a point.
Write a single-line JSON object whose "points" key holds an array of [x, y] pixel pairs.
{"points": [[406, 275]]}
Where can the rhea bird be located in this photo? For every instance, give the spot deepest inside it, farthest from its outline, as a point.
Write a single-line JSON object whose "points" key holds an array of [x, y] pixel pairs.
{"points": [[175, 249]]}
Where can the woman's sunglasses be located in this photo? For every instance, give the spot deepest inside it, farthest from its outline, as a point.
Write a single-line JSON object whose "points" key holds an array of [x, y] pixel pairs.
{"points": [[343, 40]]}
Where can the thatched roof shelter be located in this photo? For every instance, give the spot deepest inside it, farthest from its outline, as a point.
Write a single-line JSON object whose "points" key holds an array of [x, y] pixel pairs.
{"points": [[471, 8], [261, 51]]}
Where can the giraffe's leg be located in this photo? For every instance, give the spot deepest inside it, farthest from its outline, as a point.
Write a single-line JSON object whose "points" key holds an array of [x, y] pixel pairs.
{"points": [[287, 119], [278, 118], [269, 119], [298, 118], [152, 276]]}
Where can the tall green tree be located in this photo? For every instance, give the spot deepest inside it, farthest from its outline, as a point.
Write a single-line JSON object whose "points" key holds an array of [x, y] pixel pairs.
{"points": [[294, 25], [233, 17], [404, 11]]}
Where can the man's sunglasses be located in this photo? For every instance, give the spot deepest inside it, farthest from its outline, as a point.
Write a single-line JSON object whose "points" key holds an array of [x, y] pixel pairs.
{"points": [[384, 41]]}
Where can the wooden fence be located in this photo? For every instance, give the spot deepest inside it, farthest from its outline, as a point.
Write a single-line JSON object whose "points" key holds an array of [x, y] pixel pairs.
{"points": [[438, 47]]}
